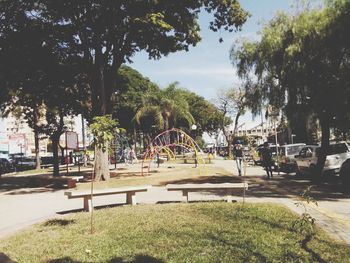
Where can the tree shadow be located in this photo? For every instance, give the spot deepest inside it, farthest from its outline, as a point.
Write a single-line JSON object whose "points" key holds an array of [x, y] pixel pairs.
{"points": [[214, 179], [34, 183], [5, 259], [59, 222], [330, 189], [63, 260], [137, 259]]}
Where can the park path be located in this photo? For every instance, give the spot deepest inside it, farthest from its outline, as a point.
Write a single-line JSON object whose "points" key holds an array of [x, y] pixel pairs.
{"points": [[23, 207]]}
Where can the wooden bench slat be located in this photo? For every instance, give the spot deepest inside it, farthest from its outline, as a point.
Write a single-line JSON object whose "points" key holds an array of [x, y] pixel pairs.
{"points": [[108, 191], [86, 195], [228, 187], [206, 186]]}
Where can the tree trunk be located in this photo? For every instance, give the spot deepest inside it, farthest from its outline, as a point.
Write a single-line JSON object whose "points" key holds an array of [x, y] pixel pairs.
{"points": [[236, 124], [324, 122], [101, 164], [37, 149], [36, 136], [56, 162]]}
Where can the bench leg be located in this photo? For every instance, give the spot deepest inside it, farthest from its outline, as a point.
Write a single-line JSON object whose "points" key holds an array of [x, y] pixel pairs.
{"points": [[185, 194], [229, 195], [131, 198], [87, 203]]}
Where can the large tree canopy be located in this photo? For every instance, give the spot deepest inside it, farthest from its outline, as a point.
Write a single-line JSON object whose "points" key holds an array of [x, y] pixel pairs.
{"points": [[108, 33], [301, 61], [105, 34]]}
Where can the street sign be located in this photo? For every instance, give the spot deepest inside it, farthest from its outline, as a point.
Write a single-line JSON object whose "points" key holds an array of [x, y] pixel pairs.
{"points": [[72, 140], [17, 143]]}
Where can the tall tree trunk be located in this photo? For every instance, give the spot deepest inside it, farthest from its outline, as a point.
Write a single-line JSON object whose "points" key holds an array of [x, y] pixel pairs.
{"points": [[36, 136], [236, 123], [37, 149], [101, 164], [56, 161], [325, 130], [101, 157]]}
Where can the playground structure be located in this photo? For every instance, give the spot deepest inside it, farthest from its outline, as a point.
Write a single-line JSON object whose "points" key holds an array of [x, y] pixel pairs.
{"points": [[173, 144]]}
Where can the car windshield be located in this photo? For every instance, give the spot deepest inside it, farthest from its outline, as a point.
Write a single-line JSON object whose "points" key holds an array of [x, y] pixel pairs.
{"points": [[27, 160], [294, 149], [337, 148]]}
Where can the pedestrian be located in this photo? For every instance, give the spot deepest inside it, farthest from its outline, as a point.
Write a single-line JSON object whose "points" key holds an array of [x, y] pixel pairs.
{"points": [[126, 155], [238, 155], [266, 158]]}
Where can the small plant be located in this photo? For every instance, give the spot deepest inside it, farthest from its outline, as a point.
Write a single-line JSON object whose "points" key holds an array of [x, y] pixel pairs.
{"points": [[305, 224]]}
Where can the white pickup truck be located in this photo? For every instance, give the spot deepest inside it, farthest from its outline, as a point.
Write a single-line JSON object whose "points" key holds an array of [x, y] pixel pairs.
{"points": [[337, 160]]}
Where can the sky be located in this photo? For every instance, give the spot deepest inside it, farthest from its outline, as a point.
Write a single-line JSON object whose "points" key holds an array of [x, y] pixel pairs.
{"points": [[206, 68]]}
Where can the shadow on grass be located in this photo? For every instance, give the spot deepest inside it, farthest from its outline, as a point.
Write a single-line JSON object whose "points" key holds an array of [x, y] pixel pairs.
{"points": [[31, 184], [59, 222], [5, 259], [73, 211], [138, 259], [64, 260]]}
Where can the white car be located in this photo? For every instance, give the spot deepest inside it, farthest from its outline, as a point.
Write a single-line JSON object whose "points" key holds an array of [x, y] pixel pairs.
{"points": [[286, 156], [337, 155]]}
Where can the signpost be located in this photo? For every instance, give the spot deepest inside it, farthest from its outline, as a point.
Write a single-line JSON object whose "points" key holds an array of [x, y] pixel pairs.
{"points": [[72, 143]]}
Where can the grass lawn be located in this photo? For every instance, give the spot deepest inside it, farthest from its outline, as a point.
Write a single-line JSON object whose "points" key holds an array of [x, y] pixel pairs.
{"points": [[163, 176], [197, 232]]}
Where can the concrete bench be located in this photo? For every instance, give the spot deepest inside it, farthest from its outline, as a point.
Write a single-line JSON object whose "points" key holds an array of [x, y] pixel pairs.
{"points": [[228, 187], [86, 195]]}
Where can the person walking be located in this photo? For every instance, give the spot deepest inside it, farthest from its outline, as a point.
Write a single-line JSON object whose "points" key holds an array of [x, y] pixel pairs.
{"points": [[238, 155], [266, 158]]}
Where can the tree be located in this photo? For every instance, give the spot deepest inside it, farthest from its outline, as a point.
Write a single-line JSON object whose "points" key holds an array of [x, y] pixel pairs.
{"points": [[132, 87], [103, 129], [301, 60], [168, 108], [231, 103], [41, 77], [108, 33], [205, 113]]}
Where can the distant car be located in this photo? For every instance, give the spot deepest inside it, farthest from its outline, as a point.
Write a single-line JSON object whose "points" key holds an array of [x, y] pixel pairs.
{"points": [[5, 166], [286, 156], [337, 155], [25, 163]]}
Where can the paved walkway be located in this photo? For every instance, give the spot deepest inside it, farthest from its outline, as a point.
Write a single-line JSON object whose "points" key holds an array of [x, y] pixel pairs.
{"points": [[23, 207]]}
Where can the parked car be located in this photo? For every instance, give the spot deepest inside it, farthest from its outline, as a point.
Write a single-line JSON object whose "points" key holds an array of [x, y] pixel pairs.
{"points": [[337, 155], [25, 163], [5, 166], [286, 156]]}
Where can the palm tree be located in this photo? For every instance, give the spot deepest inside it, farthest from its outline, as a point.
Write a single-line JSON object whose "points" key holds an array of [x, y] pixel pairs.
{"points": [[164, 110]]}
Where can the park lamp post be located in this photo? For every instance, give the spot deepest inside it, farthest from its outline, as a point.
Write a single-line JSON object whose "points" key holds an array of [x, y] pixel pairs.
{"points": [[292, 136], [194, 128]]}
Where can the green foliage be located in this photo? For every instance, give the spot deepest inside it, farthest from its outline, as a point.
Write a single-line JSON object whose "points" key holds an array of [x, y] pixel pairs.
{"points": [[303, 59], [131, 88], [103, 129], [306, 223], [167, 108]]}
